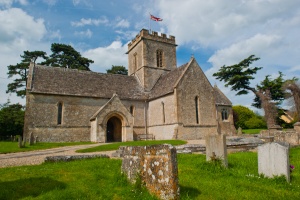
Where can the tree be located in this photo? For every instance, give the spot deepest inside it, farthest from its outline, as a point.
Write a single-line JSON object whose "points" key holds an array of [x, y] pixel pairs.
{"points": [[267, 95], [294, 88], [246, 118], [62, 56], [11, 119], [117, 70], [21, 71], [66, 56]]}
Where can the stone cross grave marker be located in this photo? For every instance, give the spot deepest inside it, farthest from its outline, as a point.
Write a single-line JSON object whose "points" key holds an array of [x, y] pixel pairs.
{"points": [[156, 166], [273, 160], [216, 148]]}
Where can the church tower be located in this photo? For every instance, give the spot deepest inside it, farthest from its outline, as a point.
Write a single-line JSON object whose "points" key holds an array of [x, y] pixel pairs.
{"points": [[150, 56]]}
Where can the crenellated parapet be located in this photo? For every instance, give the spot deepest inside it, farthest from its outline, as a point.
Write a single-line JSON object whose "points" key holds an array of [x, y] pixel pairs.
{"points": [[145, 34]]}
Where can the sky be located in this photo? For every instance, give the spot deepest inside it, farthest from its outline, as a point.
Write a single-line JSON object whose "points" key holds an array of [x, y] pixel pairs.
{"points": [[215, 32]]}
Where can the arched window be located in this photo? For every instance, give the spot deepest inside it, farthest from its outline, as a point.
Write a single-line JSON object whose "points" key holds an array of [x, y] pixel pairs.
{"points": [[134, 62], [59, 113], [132, 110], [197, 109], [159, 58], [224, 114], [163, 112]]}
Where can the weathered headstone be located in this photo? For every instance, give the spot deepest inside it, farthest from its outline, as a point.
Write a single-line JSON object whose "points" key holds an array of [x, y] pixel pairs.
{"points": [[31, 139], [273, 160], [155, 166], [297, 127], [216, 148], [20, 142], [240, 131]]}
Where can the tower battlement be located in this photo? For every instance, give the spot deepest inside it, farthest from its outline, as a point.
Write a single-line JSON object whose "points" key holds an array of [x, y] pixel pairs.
{"points": [[145, 34]]}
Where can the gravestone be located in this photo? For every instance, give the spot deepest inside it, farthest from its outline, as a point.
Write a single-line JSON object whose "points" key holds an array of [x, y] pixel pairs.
{"points": [[31, 139], [273, 160], [155, 166], [240, 132], [297, 127], [216, 148]]}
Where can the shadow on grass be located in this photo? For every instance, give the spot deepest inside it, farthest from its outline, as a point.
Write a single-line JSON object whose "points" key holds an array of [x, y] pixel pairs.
{"points": [[33, 187], [189, 192]]}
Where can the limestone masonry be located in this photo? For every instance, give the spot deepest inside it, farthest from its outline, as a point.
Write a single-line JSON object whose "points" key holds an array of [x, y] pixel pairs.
{"points": [[156, 98]]}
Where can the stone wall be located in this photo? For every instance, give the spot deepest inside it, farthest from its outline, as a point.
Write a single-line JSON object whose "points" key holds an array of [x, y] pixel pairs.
{"points": [[227, 126], [194, 83], [42, 111]]}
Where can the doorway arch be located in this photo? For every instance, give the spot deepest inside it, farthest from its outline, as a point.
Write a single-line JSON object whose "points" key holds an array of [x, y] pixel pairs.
{"points": [[114, 130]]}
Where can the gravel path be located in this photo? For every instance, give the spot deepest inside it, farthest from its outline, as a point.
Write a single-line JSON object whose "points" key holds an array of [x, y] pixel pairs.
{"points": [[37, 157]]}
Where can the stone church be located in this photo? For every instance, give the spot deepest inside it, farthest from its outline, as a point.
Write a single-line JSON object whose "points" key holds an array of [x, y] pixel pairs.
{"points": [[157, 99]]}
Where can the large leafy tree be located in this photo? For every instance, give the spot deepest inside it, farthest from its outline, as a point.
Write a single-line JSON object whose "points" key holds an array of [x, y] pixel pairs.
{"points": [[267, 95], [246, 118], [62, 56], [66, 56], [117, 70], [11, 119], [20, 71]]}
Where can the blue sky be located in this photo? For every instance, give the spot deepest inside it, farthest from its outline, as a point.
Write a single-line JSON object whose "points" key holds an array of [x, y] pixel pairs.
{"points": [[215, 32]]}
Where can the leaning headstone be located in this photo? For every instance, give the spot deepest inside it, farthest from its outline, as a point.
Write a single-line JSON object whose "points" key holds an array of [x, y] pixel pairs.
{"points": [[155, 166], [240, 131], [216, 148], [273, 160]]}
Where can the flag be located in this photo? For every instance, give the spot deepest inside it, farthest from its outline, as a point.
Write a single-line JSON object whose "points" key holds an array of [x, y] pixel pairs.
{"points": [[155, 18]]}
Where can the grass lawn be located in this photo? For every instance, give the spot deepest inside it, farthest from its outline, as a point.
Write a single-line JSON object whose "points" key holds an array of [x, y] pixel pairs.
{"points": [[116, 145], [101, 179], [12, 147], [252, 131]]}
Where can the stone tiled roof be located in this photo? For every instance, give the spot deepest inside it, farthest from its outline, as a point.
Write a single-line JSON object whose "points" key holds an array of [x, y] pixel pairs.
{"points": [[166, 82], [62, 81], [55, 80], [221, 99]]}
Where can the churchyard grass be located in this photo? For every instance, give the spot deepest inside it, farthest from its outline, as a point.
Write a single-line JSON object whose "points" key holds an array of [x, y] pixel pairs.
{"points": [[116, 145], [101, 179], [252, 131], [12, 147]]}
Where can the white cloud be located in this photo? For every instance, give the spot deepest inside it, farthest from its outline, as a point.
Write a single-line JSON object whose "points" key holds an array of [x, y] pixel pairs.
{"points": [[122, 23], [50, 2], [19, 32], [76, 2], [88, 33], [105, 57], [95, 22]]}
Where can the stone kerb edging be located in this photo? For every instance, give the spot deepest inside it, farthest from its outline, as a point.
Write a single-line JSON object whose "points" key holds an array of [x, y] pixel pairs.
{"points": [[74, 157]]}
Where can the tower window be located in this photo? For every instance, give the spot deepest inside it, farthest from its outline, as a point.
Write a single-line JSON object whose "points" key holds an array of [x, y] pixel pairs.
{"points": [[134, 62], [197, 109], [224, 114], [159, 58], [59, 113]]}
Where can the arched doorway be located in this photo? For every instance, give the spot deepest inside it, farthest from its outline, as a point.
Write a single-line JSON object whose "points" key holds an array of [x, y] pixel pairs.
{"points": [[114, 130]]}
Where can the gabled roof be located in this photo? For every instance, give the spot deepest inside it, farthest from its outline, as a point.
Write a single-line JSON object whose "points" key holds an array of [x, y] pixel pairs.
{"points": [[62, 81], [167, 82], [221, 99]]}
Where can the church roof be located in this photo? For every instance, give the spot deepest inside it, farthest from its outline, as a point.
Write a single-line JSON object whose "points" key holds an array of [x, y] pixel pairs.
{"points": [[62, 81], [221, 99], [166, 82]]}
